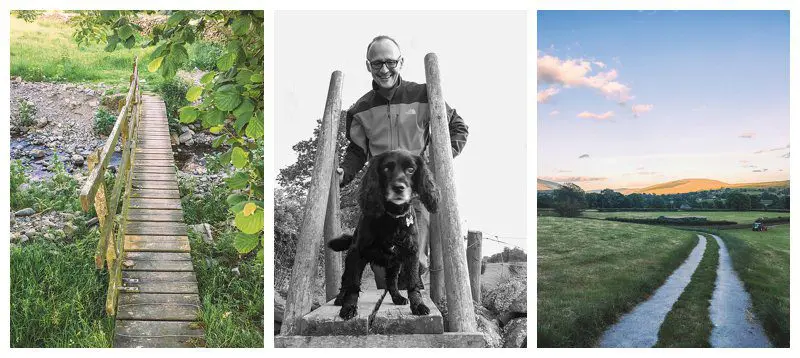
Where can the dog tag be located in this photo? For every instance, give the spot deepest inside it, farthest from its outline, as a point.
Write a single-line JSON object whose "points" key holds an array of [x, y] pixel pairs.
{"points": [[409, 220]]}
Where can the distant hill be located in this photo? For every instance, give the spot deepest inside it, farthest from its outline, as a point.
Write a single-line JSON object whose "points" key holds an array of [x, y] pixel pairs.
{"points": [[692, 185], [546, 185]]}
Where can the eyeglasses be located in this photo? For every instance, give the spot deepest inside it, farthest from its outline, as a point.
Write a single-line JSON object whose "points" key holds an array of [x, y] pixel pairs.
{"points": [[377, 65]]}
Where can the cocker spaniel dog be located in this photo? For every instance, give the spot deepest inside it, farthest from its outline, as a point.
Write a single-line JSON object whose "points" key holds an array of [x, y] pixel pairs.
{"points": [[386, 232]]}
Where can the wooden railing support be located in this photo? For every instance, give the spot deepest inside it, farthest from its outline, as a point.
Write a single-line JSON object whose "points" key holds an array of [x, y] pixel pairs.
{"points": [[460, 312], [304, 271], [435, 239], [333, 228], [94, 193], [474, 242]]}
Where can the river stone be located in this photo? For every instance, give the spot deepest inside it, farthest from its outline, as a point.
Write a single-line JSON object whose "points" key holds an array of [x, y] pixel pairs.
{"points": [[92, 221], [37, 153], [77, 160], [489, 327], [508, 297], [25, 212], [185, 137], [515, 333]]}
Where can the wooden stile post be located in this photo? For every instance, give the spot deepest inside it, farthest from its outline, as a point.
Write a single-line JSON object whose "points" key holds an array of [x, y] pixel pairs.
{"points": [[333, 228], [460, 312], [304, 270], [435, 239], [474, 241]]}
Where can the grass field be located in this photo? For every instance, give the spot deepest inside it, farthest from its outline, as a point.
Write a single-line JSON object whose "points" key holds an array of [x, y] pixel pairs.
{"points": [[762, 261], [741, 217], [57, 296], [590, 272], [688, 324], [46, 51]]}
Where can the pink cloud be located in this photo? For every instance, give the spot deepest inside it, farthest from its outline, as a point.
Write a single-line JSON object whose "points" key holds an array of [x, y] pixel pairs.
{"points": [[590, 115], [747, 135], [555, 113], [564, 179], [576, 73], [544, 95], [639, 109]]}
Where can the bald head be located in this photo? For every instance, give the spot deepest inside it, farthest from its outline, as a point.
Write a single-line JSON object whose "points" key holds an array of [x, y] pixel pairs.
{"points": [[382, 43]]}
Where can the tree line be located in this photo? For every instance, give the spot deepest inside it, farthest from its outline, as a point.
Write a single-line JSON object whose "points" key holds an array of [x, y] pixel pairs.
{"points": [[570, 200]]}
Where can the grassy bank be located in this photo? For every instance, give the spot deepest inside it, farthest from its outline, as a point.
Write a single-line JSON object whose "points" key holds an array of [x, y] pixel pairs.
{"points": [[741, 217], [590, 272], [762, 261], [688, 324], [57, 295], [45, 51], [233, 304]]}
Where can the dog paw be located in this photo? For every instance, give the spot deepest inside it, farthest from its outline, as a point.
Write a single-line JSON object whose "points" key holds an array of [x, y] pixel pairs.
{"points": [[348, 312], [337, 301], [399, 300], [420, 310]]}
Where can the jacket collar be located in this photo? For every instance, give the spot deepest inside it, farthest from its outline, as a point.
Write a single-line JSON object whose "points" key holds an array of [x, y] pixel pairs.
{"points": [[387, 94]]}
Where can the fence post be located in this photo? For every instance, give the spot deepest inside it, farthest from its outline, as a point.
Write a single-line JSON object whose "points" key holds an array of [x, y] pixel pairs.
{"points": [[435, 239], [460, 312], [304, 270], [474, 241], [333, 228]]}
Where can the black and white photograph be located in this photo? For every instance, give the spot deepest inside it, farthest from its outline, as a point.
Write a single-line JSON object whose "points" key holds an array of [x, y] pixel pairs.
{"points": [[400, 179]]}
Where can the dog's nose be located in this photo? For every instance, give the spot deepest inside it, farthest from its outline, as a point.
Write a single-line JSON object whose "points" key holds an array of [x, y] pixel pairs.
{"points": [[398, 188]]}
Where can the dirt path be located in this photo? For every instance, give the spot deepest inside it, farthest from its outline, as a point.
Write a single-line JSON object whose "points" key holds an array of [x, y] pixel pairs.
{"points": [[731, 313], [639, 328]]}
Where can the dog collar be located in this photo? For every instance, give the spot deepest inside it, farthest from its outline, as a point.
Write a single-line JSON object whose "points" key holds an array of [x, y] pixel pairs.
{"points": [[409, 219]]}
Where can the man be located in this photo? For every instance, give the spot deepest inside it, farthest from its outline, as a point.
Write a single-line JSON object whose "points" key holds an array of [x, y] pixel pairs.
{"points": [[393, 115]]}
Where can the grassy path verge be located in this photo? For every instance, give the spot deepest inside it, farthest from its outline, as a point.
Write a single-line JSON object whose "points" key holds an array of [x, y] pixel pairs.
{"points": [[688, 323], [590, 272], [762, 261]]}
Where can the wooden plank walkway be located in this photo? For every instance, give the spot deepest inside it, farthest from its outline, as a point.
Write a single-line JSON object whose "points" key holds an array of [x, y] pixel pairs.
{"points": [[378, 323], [164, 312]]}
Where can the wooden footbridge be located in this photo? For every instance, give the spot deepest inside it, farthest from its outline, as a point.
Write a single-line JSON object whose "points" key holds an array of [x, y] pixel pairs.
{"points": [[379, 322], [152, 288]]}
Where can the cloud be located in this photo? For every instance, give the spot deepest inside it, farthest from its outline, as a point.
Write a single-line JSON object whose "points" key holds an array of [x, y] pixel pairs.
{"points": [[590, 115], [577, 73], [544, 95], [583, 156], [555, 113], [565, 171], [640, 168], [771, 150], [573, 179], [744, 161], [759, 170], [785, 155], [747, 135], [639, 109]]}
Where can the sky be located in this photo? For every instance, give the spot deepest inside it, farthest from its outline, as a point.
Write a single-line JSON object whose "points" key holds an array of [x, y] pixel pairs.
{"points": [[628, 99], [482, 58]]}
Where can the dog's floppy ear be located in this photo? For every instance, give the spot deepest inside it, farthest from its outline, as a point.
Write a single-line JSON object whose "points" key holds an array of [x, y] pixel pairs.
{"points": [[425, 187], [370, 193]]}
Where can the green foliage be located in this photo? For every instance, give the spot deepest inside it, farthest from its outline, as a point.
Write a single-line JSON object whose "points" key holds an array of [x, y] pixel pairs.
{"points": [[173, 92], [103, 121], [739, 201], [233, 305], [569, 200], [27, 110], [57, 295], [27, 15], [18, 178], [59, 192], [204, 55], [209, 208]]}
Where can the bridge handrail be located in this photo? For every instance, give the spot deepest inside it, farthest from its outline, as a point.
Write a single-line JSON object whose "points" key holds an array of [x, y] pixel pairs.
{"points": [[110, 249]]}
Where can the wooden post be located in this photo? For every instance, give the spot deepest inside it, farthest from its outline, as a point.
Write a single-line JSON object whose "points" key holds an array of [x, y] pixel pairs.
{"points": [[333, 228], [460, 312], [304, 270], [436, 267], [474, 240]]}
